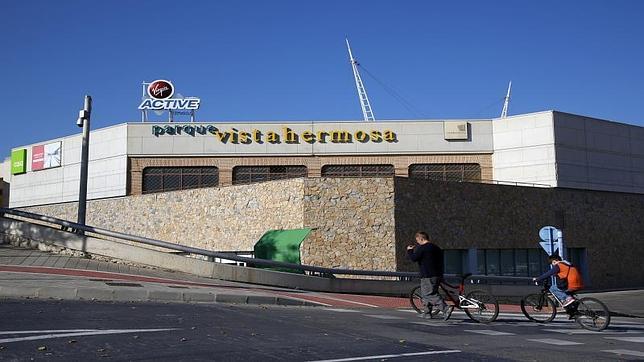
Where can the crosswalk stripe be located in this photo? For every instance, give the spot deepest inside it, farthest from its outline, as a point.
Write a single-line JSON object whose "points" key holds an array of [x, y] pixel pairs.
{"points": [[628, 339], [557, 342], [490, 332], [627, 352]]}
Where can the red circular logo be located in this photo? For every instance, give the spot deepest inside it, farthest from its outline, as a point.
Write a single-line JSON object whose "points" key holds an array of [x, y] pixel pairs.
{"points": [[160, 89]]}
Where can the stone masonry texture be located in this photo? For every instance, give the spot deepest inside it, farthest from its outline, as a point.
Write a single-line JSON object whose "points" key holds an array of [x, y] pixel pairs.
{"points": [[609, 225], [366, 223], [352, 219]]}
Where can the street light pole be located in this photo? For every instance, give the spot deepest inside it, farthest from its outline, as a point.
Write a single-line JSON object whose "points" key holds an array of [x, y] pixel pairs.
{"points": [[83, 121]]}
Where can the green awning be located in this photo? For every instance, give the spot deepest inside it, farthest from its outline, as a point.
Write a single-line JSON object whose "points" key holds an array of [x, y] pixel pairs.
{"points": [[281, 245]]}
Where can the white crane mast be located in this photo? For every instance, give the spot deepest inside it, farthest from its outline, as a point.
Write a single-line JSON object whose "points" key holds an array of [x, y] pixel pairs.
{"points": [[367, 112], [506, 102]]}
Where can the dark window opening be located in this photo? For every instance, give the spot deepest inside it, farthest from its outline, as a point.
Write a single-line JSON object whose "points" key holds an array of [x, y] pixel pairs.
{"points": [[358, 171], [160, 179], [252, 174], [446, 171]]}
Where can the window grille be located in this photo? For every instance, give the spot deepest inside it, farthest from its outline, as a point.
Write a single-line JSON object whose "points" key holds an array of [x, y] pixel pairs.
{"points": [[358, 171], [252, 174], [160, 179], [446, 171]]}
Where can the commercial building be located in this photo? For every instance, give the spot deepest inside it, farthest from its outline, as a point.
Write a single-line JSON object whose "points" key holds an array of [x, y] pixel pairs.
{"points": [[553, 160]]}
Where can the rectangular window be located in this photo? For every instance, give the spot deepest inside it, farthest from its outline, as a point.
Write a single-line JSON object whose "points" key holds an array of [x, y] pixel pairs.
{"points": [[521, 262], [358, 171], [536, 261], [492, 262], [453, 261], [480, 262], [252, 174], [446, 171], [160, 179], [507, 262]]}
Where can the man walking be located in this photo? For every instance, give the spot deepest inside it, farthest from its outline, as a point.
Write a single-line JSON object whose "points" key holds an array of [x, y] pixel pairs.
{"points": [[429, 257]]}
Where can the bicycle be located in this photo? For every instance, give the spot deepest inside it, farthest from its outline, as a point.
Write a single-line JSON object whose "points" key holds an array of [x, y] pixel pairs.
{"points": [[589, 313], [479, 305]]}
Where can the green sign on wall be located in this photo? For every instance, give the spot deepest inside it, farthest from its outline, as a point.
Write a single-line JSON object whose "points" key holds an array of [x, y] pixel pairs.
{"points": [[19, 161]]}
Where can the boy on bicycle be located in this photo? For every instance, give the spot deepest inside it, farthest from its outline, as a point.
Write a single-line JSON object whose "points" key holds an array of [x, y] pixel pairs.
{"points": [[568, 279]]}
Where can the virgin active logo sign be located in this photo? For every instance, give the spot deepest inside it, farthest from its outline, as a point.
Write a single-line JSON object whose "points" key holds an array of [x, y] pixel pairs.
{"points": [[160, 94]]}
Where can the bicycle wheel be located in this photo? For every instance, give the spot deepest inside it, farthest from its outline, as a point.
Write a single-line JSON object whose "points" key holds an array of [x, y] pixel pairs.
{"points": [[415, 300], [539, 308], [592, 314], [481, 306]]}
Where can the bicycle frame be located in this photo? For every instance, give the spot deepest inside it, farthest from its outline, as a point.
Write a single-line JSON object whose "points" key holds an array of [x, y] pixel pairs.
{"points": [[462, 301]]}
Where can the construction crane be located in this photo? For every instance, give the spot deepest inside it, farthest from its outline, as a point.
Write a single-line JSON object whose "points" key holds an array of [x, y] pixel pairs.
{"points": [[506, 102], [367, 112]]}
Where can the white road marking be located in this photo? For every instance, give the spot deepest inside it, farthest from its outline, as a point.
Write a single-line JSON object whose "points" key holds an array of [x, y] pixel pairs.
{"points": [[388, 356], [628, 339], [49, 331], [342, 310], [583, 331], [322, 296], [381, 316], [557, 342], [86, 333], [427, 323], [627, 352], [489, 332]]}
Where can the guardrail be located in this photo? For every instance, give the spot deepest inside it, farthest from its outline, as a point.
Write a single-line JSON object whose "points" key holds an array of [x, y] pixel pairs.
{"points": [[315, 270]]}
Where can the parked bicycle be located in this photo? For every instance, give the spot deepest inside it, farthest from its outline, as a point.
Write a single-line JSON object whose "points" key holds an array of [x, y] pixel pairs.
{"points": [[479, 305], [589, 313]]}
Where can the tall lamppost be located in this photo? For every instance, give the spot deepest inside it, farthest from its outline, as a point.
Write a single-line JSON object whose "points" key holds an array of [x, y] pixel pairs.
{"points": [[83, 121]]}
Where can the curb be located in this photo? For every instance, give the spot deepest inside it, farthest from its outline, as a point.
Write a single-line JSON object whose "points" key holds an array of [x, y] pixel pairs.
{"points": [[142, 295]]}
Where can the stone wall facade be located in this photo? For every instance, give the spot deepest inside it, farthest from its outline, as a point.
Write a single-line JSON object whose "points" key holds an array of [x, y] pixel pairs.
{"points": [[217, 219], [609, 225], [367, 223], [352, 219]]}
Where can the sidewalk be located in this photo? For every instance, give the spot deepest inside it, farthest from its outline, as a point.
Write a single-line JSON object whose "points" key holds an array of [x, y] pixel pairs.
{"points": [[26, 273], [628, 302]]}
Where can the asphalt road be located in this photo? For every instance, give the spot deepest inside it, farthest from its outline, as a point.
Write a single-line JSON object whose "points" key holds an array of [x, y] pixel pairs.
{"points": [[75, 331]]}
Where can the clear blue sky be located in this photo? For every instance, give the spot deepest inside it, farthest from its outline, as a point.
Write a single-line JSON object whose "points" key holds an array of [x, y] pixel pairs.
{"points": [[286, 60]]}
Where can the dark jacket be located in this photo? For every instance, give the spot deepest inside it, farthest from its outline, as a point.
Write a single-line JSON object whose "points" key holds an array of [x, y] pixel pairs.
{"points": [[429, 258]]}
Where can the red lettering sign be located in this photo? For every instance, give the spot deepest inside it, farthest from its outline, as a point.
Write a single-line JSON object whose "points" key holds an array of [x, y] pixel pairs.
{"points": [[37, 157]]}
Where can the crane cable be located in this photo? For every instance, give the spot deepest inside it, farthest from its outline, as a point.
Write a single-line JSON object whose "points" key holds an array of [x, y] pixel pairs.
{"points": [[405, 103]]}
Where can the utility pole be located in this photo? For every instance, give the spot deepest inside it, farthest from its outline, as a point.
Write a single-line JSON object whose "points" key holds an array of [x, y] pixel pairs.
{"points": [[83, 121], [367, 112]]}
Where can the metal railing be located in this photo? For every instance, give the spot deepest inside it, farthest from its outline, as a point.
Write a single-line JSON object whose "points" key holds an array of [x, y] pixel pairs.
{"points": [[314, 270]]}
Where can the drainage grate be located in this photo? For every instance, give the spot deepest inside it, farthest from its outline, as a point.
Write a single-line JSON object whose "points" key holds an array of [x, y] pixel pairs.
{"points": [[115, 284], [177, 286]]}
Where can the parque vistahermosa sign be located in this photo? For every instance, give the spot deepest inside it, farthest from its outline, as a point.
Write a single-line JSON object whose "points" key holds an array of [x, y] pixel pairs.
{"points": [[276, 136], [160, 94]]}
